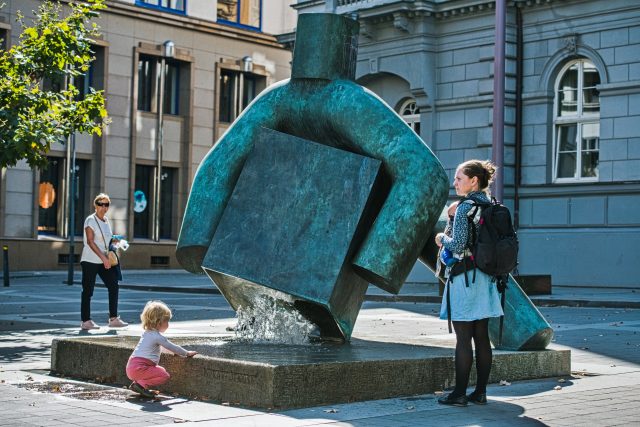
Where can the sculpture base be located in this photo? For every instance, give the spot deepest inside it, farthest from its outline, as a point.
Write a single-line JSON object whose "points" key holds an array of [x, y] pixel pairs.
{"points": [[280, 377]]}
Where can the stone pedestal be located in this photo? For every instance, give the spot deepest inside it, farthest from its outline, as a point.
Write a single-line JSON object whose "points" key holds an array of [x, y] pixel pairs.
{"points": [[280, 377]]}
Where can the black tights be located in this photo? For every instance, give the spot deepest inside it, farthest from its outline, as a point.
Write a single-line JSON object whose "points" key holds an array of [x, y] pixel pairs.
{"points": [[478, 331]]}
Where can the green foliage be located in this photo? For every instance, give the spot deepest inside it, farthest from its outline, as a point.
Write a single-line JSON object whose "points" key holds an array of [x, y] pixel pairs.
{"points": [[55, 48]]}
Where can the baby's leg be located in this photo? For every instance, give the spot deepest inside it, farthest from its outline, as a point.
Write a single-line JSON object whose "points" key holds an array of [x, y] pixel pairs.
{"points": [[146, 373]]}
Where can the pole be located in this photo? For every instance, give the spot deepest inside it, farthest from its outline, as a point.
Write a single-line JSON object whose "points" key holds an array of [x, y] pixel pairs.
{"points": [[72, 213], [5, 265], [70, 174], [71, 181], [160, 133], [498, 99]]}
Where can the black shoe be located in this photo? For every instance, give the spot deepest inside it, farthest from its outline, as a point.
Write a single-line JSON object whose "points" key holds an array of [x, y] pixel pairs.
{"points": [[452, 400], [141, 390], [478, 398]]}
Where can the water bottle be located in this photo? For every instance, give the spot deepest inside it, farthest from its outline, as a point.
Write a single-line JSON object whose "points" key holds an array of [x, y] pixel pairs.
{"points": [[447, 257]]}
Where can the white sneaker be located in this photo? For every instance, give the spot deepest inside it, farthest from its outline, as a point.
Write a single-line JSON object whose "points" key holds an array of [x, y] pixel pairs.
{"points": [[116, 322], [89, 324]]}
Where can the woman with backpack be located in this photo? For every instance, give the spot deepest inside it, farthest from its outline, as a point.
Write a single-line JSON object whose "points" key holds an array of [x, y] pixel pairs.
{"points": [[471, 296]]}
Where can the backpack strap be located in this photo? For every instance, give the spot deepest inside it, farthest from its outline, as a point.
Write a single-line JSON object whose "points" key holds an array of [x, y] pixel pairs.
{"points": [[501, 283], [448, 284], [473, 236], [103, 239]]}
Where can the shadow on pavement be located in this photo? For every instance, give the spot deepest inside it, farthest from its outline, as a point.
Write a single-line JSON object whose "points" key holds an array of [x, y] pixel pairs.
{"points": [[417, 410]]}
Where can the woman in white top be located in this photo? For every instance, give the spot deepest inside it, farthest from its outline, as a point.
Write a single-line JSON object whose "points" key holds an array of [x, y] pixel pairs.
{"points": [[94, 261]]}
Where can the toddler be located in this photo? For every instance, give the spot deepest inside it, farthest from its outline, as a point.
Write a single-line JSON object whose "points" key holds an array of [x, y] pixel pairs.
{"points": [[142, 367]]}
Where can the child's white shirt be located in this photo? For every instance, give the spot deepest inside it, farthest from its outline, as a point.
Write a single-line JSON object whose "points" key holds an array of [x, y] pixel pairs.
{"points": [[150, 346]]}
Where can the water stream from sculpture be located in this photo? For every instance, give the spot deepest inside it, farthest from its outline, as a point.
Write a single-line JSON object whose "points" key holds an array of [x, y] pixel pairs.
{"points": [[269, 321]]}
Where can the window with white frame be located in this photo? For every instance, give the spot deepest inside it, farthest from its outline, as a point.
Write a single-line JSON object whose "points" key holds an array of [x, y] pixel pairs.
{"points": [[175, 6], [576, 123], [410, 112]]}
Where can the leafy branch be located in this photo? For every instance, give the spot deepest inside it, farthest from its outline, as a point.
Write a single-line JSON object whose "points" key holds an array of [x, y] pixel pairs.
{"points": [[54, 49]]}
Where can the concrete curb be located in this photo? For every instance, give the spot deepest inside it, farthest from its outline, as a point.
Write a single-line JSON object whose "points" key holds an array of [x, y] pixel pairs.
{"points": [[544, 302], [433, 299], [539, 302], [159, 288]]}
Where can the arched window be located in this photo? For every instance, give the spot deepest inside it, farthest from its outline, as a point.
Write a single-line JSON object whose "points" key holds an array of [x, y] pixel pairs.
{"points": [[410, 112], [576, 123]]}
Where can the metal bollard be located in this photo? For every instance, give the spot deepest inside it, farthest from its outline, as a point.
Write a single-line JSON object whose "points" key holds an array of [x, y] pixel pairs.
{"points": [[5, 264]]}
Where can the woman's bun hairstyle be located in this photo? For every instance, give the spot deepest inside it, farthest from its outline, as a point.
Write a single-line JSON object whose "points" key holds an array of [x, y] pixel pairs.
{"points": [[484, 170]]}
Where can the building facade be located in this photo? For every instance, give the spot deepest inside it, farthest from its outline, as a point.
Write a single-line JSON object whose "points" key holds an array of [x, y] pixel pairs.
{"points": [[175, 73], [572, 133]]}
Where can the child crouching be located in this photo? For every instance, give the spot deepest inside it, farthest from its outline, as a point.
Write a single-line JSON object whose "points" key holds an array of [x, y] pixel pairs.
{"points": [[142, 367]]}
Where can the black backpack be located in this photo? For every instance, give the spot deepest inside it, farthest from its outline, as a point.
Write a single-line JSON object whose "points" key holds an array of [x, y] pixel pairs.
{"points": [[494, 248]]}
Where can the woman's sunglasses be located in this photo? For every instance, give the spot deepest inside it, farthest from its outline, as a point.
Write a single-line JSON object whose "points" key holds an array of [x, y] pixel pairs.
{"points": [[105, 204]]}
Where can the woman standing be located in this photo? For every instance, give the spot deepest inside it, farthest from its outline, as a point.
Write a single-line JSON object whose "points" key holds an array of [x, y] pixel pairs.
{"points": [[471, 297], [94, 261]]}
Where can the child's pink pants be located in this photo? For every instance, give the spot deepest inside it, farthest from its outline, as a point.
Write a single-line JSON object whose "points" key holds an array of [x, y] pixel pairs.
{"points": [[145, 372]]}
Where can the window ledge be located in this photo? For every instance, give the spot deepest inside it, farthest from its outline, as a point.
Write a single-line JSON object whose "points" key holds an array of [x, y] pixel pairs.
{"points": [[575, 180]]}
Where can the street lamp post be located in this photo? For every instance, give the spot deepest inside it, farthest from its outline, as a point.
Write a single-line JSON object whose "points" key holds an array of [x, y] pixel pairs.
{"points": [[71, 165], [72, 210], [168, 51]]}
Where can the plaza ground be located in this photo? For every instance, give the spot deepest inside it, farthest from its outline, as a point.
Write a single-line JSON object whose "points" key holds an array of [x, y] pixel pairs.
{"points": [[600, 326]]}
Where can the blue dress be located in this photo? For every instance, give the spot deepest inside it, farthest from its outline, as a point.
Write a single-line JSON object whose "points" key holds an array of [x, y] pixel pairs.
{"points": [[481, 299]]}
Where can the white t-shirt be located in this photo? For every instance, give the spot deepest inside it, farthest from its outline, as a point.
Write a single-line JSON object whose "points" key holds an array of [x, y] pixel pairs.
{"points": [[150, 345], [94, 222]]}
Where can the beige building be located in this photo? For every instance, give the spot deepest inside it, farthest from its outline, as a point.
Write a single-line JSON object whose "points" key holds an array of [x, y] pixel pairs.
{"points": [[175, 73]]}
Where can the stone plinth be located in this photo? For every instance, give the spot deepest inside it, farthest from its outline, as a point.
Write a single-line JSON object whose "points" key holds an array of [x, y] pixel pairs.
{"points": [[279, 377]]}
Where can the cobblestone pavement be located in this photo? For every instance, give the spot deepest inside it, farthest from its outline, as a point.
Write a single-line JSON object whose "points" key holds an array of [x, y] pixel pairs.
{"points": [[604, 389]]}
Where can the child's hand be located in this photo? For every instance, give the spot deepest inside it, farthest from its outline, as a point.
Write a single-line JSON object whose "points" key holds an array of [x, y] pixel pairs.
{"points": [[452, 209], [191, 353]]}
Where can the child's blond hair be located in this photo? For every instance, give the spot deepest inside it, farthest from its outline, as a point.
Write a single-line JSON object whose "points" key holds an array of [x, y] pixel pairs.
{"points": [[154, 313]]}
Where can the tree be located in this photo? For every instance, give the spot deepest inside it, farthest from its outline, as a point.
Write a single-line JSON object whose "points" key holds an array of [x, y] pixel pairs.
{"points": [[55, 48]]}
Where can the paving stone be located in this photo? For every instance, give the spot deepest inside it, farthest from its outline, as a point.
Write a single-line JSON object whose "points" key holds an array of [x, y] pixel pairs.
{"points": [[520, 404]]}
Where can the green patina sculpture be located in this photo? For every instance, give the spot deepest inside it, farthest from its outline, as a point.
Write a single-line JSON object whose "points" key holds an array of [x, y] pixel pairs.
{"points": [[322, 103]]}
